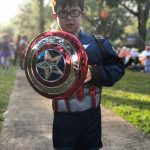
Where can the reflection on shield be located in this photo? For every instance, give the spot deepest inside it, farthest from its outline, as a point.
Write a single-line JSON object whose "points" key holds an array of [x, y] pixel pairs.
{"points": [[50, 65], [56, 64]]}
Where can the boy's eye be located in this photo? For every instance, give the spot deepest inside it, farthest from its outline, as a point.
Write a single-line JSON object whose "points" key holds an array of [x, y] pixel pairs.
{"points": [[75, 13], [62, 13]]}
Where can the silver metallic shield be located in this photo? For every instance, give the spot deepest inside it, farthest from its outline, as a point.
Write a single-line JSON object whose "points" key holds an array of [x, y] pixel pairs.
{"points": [[56, 64]]}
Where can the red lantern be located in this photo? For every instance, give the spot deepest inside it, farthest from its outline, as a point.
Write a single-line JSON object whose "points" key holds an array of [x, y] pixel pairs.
{"points": [[104, 14]]}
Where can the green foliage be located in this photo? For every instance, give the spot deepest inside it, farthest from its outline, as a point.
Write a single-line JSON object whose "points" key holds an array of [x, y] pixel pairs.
{"points": [[131, 28], [112, 26], [30, 20], [113, 3], [6, 29], [130, 99], [148, 22], [138, 9], [24, 22], [117, 2], [6, 83]]}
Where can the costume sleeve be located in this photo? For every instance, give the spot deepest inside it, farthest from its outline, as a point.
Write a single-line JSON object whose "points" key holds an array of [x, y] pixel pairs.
{"points": [[110, 70]]}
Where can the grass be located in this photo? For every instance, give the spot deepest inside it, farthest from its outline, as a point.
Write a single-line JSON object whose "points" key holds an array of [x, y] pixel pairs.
{"points": [[6, 83], [130, 99]]}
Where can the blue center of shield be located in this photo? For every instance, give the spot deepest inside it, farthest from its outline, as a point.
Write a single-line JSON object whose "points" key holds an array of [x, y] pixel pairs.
{"points": [[50, 65]]}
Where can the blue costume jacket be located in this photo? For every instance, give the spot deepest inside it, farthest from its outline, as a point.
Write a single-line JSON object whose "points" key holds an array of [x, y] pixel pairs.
{"points": [[105, 72]]}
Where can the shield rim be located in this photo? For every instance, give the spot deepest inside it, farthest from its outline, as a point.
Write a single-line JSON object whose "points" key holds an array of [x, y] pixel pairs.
{"points": [[82, 58]]}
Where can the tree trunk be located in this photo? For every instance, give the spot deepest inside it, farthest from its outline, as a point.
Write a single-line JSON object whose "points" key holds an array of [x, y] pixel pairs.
{"points": [[41, 16], [141, 27]]}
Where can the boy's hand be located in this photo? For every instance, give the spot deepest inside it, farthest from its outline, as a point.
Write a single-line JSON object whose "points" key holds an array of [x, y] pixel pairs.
{"points": [[89, 75], [76, 67]]}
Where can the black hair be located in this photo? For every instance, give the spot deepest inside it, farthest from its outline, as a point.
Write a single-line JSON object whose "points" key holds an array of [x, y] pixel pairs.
{"points": [[63, 3]]}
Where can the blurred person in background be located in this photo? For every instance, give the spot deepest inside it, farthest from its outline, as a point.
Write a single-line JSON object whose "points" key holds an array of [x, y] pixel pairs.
{"points": [[23, 44], [16, 50], [125, 55], [147, 64], [143, 55], [5, 52], [133, 60]]}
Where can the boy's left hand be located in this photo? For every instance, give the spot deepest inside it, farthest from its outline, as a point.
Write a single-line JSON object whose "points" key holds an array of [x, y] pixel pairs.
{"points": [[88, 76]]}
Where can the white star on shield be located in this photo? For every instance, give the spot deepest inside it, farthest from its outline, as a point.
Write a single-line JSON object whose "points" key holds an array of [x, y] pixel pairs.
{"points": [[50, 65]]}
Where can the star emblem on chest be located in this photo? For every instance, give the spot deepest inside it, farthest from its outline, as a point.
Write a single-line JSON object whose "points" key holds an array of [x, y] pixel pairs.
{"points": [[50, 65]]}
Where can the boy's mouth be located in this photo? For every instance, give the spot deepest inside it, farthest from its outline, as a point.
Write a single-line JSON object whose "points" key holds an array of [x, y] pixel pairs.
{"points": [[69, 25]]}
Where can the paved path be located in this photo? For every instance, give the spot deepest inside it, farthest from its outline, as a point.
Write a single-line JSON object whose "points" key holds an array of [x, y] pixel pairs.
{"points": [[28, 124]]}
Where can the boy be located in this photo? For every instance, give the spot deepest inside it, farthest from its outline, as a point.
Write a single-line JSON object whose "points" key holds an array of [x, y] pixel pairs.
{"points": [[77, 126]]}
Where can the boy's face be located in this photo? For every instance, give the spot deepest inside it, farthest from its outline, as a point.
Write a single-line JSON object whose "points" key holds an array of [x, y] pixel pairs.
{"points": [[69, 22]]}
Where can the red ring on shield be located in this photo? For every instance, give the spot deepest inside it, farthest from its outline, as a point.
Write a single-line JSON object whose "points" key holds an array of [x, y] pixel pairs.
{"points": [[60, 81], [50, 61]]}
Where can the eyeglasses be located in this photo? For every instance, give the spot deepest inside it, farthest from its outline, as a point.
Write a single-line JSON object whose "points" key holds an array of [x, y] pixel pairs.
{"points": [[72, 13]]}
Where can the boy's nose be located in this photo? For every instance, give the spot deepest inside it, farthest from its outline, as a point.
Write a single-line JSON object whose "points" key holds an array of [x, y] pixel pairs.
{"points": [[69, 16]]}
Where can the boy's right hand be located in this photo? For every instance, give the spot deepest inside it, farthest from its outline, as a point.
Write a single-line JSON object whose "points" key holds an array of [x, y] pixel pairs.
{"points": [[89, 75]]}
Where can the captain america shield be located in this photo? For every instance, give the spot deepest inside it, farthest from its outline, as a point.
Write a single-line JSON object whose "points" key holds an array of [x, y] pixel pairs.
{"points": [[56, 64]]}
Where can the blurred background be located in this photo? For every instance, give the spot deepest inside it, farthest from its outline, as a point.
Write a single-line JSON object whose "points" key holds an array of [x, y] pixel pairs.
{"points": [[125, 22]]}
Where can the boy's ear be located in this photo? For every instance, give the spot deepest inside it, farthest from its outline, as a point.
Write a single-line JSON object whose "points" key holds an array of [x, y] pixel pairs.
{"points": [[83, 14], [53, 16]]}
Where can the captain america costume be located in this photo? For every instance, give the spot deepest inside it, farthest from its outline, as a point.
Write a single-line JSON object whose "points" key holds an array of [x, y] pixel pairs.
{"points": [[77, 120]]}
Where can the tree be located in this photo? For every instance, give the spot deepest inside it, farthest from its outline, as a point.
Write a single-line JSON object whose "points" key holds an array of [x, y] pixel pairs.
{"points": [[38, 11], [6, 29], [31, 20], [139, 9], [24, 22], [106, 20]]}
